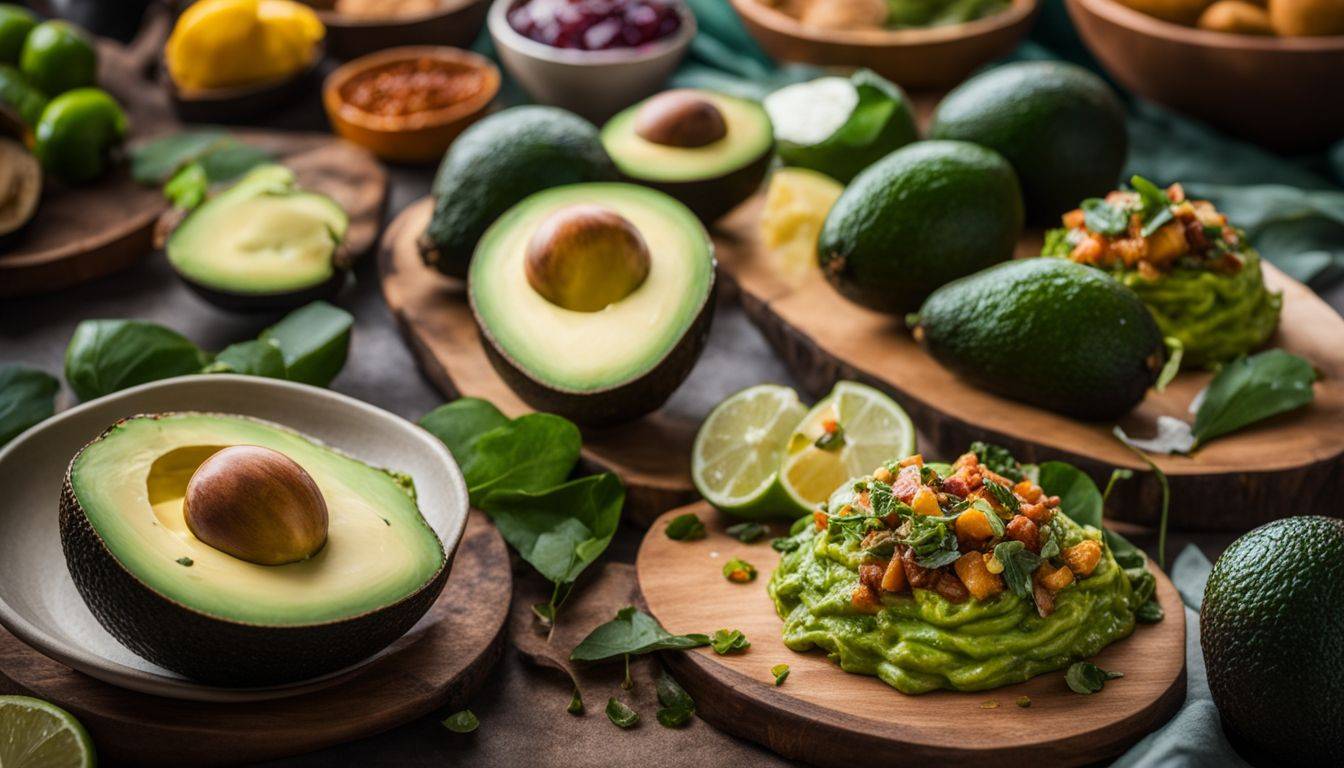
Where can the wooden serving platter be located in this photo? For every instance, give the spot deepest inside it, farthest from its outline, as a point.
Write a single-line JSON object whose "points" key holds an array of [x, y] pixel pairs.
{"points": [[439, 664], [651, 455], [1292, 464], [828, 717]]}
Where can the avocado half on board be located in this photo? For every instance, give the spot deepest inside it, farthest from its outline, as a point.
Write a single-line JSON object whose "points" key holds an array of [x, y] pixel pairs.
{"points": [[315, 560], [594, 300]]}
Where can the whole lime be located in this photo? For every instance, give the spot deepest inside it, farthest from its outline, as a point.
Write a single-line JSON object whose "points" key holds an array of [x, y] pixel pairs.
{"points": [[58, 57], [76, 132], [15, 24], [1272, 628]]}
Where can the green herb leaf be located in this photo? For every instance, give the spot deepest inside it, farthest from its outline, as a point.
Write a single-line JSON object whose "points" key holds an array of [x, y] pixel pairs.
{"points": [[1005, 496], [621, 714], [1079, 497], [560, 531], [188, 187], [251, 358], [995, 522], [154, 162], [739, 571], [729, 641], [1160, 219], [105, 356], [27, 396], [315, 340], [831, 440], [1253, 388], [1101, 216], [462, 722], [685, 527], [997, 459], [532, 453], [575, 703], [631, 632], [781, 673], [1018, 565], [459, 424], [232, 159], [677, 704], [1087, 678], [746, 532], [784, 544]]}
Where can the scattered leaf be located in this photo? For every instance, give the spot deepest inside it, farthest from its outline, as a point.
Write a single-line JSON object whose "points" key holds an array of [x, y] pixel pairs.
{"points": [[746, 532], [621, 714], [1087, 678], [632, 632], [685, 527], [739, 571], [1023, 701], [575, 703], [677, 705], [1250, 389], [27, 396], [314, 340], [462, 722], [1079, 497], [252, 358], [105, 356], [727, 641], [781, 673]]}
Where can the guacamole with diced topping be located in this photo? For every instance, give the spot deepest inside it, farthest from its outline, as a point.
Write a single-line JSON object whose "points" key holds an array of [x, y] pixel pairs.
{"points": [[935, 576]]}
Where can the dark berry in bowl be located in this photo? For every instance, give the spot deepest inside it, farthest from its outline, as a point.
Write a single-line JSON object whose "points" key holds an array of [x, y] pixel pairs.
{"points": [[595, 25]]}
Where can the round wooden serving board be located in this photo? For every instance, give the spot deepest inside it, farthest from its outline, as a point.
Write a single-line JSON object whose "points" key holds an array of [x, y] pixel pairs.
{"points": [[1292, 464], [440, 663], [828, 717], [651, 455]]}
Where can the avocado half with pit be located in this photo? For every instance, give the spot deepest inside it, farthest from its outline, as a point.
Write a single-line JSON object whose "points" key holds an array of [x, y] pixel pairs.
{"points": [[262, 244], [707, 149], [315, 560], [594, 300]]}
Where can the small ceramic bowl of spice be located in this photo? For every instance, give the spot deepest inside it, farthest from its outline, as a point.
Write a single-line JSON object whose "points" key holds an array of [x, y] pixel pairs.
{"points": [[593, 57], [407, 104]]}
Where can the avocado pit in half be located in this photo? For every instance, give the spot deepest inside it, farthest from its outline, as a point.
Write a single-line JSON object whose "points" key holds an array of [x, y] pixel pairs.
{"points": [[586, 257]]}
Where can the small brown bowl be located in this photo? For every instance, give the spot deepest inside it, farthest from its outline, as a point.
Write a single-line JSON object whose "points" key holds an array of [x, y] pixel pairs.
{"points": [[238, 104], [420, 137], [1276, 91], [932, 57], [454, 23]]}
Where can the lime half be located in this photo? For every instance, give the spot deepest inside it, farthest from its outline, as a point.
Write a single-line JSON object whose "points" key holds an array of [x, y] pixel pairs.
{"points": [[35, 734], [849, 433], [738, 450]]}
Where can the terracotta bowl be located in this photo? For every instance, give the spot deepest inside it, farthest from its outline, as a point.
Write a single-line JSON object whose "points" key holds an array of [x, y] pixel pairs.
{"points": [[421, 137], [455, 23], [934, 57], [1282, 92]]}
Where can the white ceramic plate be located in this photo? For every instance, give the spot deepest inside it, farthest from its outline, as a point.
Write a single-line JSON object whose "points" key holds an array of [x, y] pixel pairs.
{"points": [[38, 600]]}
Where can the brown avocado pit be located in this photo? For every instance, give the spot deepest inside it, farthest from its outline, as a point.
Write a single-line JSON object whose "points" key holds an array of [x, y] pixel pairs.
{"points": [[256, 504], [680, 118], [586, 257]]}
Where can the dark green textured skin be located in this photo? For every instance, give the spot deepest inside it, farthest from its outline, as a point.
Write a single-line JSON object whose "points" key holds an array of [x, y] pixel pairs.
{"points": [[1061, 127], [1048, 332], [924, 215], [499, 161], [1272, 629]]}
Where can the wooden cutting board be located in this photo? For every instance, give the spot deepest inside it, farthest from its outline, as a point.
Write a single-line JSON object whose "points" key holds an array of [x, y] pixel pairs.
{"points": [[1292, 464], [828, 717], [438, 665], [652, 455]]}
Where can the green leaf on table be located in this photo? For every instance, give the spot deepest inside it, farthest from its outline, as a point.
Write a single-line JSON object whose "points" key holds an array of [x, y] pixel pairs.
{"points": [[685, 527], [154, 162], [315, 340], [251, 358], [739, 571], [632, 632], [746, 532], [459, 424], [1250, 389], [726, 641], [27, 396], [105, 356], [534, 452], [1087, 678], [462, 722], [231, 159], [621, 714], [780, 673], [1101, 216], [1079, 497], [677, 705], [188, 187]]}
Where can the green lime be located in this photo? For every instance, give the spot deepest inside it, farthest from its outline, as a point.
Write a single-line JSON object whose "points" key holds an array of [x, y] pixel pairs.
{"points": [[58, 57], [76, 131], [849, 433], [20, 95], [15, 24], [35, 734], [738, 449]]}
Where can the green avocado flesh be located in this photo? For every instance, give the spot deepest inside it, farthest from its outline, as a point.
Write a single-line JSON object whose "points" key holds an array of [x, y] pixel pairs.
{"points": [[920, 642], [749, 137], [130, 484], [583, 352], [260, 236]]}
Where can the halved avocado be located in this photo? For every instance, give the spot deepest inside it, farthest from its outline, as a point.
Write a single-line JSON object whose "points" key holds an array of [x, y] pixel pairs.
{"points": [[629, 273], [709, 150], [191, 608], [262, 244], [20, 188]]}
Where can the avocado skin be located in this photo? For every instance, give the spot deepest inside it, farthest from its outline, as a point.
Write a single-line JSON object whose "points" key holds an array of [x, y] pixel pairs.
{"points": [[217, 651], [499, 161], [1272, 630], [925, 214], [1048, 332], [269, 302], [710, 199], [1061, 127], [625, 402]]}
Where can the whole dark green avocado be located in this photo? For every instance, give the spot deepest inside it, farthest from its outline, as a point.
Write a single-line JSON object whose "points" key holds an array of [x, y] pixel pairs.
{"points": [[920, 217], [1272, 629], [1048, 332], [1061, 127], [498, 162]]}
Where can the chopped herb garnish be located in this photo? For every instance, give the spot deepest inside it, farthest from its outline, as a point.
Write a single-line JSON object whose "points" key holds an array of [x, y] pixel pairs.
{"points": [[1005, 496], [746, 532], [1023, 701], [677, 705], [1018, 564], [186, 561], [1101, 216], [462, 722], [781, 673], [387, 522], [621, 714], [739, 571], [685, 527], [1087, 678], [784, 544], [832, 437], [725, 642], [998, 460]]}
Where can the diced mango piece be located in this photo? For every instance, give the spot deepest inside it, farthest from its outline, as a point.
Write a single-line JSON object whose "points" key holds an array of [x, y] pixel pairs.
{"points": [[973, 526], [893, 580], [925, 502], [1083, 557], [1054, 579], [971, 569]]}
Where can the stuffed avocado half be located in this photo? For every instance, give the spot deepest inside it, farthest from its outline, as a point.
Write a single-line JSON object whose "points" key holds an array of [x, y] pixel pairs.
{"points": [[936, 576], [315, 560]]}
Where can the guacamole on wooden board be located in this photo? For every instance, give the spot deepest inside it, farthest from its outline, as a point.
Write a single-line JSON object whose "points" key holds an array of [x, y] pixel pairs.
{"points": [[850, 584]]}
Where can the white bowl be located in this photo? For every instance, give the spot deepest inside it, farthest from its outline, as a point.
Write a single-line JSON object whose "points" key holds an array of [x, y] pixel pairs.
{"points": [[594, 84], [38, 600]]}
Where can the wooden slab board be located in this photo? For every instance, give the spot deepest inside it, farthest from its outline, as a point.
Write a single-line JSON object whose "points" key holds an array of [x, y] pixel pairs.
{"points": [[651, 455], [828, 717], [438, 665], [1292, 464]]}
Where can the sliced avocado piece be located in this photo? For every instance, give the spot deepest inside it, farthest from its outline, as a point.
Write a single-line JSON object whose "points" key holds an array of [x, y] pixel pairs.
{"points": [[1049, 332], [498, 162], [669, 142], [262, 244], [594, 365], [191, 608]]}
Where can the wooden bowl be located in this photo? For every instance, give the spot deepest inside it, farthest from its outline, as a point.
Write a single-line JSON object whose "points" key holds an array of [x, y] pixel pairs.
{"points": [[239, 104], [420, 137], [456, 23], [933, 57], [1276, 91]]}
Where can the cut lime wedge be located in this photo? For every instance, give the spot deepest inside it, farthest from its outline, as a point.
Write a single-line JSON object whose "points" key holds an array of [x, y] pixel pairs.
{"points": [[738, 449], [868, 429], [35, 734]]}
